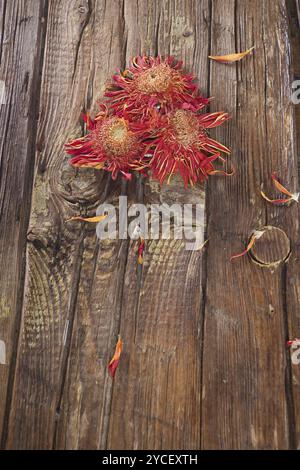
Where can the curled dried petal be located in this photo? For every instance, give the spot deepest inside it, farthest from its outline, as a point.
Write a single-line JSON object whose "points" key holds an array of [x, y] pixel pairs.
{"points": [[291, 196], [255, 236], [229, 58], [97, 218], [113, 365], [222, 172]]}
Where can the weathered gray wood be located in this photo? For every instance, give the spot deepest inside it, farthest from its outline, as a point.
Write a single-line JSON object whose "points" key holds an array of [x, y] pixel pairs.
{"points": [[156, 400], [55, 248], [91, 407], [22, 25], [292, 275], [230, 384], [85, 404], [246, 396]]}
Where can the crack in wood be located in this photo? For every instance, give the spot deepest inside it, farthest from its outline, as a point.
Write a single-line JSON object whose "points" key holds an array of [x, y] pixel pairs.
{"points": [[84, 26], [67, 335], [2, 29]]}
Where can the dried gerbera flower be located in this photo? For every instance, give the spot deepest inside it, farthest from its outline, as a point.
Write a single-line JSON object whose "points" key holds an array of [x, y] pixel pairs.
{"points": [[112, 143], [153, 83], [182, 145]]}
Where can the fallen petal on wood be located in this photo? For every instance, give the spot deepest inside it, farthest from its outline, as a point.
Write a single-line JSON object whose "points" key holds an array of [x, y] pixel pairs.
{"points": [[229, 58], [97, 218], [255, 236], [141, 250], [222, 172], [113, 365], [291, 196]]}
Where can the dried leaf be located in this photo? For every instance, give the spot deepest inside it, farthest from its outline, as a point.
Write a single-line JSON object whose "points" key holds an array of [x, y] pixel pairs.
{"points": [[229, 58], [255, 236], [97, 218], [113, 365]]}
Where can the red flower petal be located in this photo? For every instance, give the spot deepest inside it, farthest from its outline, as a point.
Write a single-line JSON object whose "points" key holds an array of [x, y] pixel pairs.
{"points": [[113, 365]]}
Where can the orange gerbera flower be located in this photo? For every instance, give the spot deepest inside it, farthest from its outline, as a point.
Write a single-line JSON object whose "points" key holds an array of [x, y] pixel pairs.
{"points": [[182, 145], [112, 143], [153, 83]]}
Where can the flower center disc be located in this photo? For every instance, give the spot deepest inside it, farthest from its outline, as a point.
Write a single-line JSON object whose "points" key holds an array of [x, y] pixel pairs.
{"points": [[118, 132], [155, 80], [116, 137], [185, 127]]}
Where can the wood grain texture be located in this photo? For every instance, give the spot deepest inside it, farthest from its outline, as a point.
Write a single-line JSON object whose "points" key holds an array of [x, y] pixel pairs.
{"points": [[96, 415], [55, 248], [292, 275], [204, 363], [85, 404], [245, 314], [22, 25], [156, 403]]}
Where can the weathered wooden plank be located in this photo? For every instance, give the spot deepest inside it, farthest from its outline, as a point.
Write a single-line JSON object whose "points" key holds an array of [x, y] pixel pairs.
{"points": [[287, 161], [55, 249], [291, 275], [87, 410], [85, 401], [293, 7], [22, 25], [246, 397], [156, 399]]}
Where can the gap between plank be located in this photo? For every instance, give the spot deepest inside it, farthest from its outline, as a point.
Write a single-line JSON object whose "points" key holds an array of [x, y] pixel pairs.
{"points": [[291, 418], [205, 252]]}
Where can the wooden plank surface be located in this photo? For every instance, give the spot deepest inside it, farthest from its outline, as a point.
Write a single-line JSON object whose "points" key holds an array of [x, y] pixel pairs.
{"points": [[244, 359], [292, 274], [22, 31], [55, 248], [204, 361], [152, 354], [156, 401]]}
